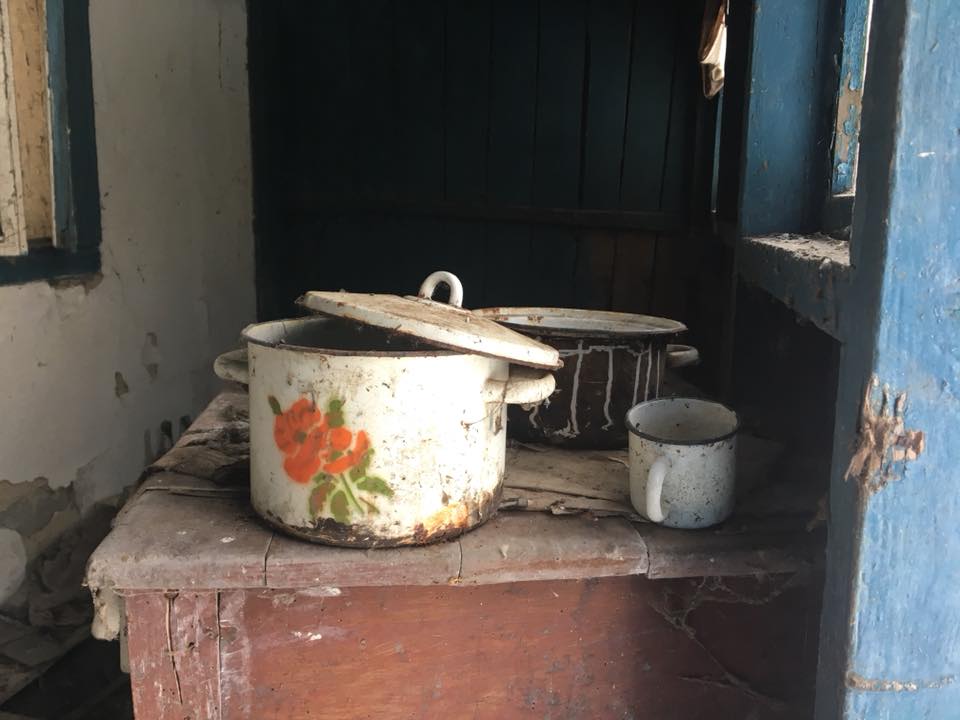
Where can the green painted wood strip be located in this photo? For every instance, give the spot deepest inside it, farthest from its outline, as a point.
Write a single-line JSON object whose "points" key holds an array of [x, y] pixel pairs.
{"points": [[467, 92], [609, 30], [513, 91], [557, 146], [648, 106], [685, 94], [560, 98], [418, 98], [372, 72]]}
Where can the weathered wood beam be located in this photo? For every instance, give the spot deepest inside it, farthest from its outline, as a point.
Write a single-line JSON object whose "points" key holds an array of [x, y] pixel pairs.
{"points": [[659, 222]]}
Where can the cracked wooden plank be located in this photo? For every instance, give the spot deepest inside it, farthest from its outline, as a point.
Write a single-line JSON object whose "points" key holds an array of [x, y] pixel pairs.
{"points": [[174, 645], [294, 563], [216, 446], [724, 552], [601, 475], [532, 546], [164, 540], [572, 649]]}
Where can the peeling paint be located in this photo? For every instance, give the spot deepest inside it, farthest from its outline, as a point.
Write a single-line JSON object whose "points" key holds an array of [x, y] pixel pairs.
{"points": [[120, 387], [33, 506], [150, 355], [85, 482], [858, 682], [883, 442], [88, 282], [845, 134]]}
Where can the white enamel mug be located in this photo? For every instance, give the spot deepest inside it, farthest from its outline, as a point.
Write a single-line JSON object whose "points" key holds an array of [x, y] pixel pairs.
{"points": [[682, 461]]}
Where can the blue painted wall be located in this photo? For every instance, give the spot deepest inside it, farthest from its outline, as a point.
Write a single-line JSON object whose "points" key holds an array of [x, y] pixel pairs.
{"points": [[890, 641], [792, 83]]}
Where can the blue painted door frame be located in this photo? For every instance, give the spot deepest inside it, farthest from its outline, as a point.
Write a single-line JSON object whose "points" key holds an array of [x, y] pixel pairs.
{"points": [[890, 635]]}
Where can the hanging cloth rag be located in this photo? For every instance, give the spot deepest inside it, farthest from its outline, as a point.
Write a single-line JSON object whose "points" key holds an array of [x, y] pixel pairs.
{"points": [[713, 46]]}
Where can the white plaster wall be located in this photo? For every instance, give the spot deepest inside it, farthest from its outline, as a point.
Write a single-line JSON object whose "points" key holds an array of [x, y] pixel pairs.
{"points": [[173, 145]]}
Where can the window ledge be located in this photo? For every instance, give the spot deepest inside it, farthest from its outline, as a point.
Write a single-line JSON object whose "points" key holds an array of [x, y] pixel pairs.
{"points": [[808, 273], [50, 264]]}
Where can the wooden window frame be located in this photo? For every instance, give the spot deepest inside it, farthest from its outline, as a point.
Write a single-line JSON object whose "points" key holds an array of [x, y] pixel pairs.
{"points": [[68, 244]]}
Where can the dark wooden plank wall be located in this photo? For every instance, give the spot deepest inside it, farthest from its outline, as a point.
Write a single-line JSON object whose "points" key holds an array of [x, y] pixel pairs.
{"points": [[368, 117]]}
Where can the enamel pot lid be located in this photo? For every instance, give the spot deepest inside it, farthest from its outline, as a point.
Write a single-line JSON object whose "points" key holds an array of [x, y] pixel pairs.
{"points": [[572, 322], [446, 325]]}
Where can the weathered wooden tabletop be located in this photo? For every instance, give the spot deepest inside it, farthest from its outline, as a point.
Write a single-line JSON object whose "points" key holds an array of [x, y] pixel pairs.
{"points": [[220, 616], [184, 530]]}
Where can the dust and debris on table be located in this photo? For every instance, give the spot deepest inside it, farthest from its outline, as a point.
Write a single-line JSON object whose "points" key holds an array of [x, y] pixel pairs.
{"points": [[538, 478]]}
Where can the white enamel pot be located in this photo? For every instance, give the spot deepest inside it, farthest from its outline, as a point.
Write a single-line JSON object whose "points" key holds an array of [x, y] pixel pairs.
{"points": [[364, 438]]}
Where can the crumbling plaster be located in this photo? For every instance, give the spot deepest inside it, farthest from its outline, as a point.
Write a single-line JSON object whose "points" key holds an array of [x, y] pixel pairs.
{"points": [[92, 370]]}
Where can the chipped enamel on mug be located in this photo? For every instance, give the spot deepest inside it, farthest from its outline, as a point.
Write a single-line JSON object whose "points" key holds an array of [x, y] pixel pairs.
{"points": [[682, 461], [364, 437]]}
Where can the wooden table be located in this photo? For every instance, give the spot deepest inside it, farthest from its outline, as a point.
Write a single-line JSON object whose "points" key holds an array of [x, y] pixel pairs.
{"points": [[531, 615]]}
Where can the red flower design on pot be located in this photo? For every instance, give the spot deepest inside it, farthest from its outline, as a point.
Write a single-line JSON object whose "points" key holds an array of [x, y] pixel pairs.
{"points": [[301, 433], [352, 456], [319, 448]]}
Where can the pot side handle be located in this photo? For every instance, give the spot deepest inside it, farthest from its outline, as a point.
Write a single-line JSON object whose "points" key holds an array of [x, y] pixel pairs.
{"points": [[525, 386], [682, 356], [232, 365]]}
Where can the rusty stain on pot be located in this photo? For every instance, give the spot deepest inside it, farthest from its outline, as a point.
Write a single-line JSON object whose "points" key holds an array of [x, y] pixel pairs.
{"points": [[454, 520], [450, 522]]}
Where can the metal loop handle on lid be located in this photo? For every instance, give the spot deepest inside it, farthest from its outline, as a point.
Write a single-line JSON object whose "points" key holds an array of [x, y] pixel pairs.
{"points": [[429, 286]]}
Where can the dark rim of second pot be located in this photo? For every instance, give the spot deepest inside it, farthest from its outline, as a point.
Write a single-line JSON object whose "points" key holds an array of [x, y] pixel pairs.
{"points": [[689, 443], [576, 322], [280, 345]]}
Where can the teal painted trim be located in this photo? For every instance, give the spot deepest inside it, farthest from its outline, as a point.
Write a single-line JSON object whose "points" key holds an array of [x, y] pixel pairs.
{"points": [[49, 264], [849, 94], [792, 81], [84, 173], [77, 188], [59, 126], [890, 635]]}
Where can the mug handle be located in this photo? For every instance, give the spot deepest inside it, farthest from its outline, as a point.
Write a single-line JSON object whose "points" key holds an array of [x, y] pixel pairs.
{"points": [[655, 477]]}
